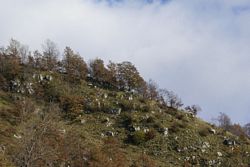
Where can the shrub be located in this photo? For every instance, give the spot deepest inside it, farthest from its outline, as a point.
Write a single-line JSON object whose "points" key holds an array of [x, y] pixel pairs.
{"points": [[177, 126], [137, 138], [71, 105], [204, 132], [150, 134], [126, 120], [144, 161]]}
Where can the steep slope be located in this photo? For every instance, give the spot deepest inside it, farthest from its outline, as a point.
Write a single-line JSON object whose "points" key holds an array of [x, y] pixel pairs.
{"points": [[114, 128]]}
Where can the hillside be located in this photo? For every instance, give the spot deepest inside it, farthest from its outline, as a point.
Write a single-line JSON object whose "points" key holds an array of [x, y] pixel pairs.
{"points": [[65, 113]]}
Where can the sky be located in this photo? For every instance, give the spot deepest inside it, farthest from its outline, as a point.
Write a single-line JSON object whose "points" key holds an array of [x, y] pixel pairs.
{"points": [[198, 49]]}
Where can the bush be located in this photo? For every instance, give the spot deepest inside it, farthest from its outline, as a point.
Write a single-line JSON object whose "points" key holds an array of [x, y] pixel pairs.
{"points": [[144, 161], [177, 126], [72, 106], [150, 135], [204, 132], [126, 120], [137, 138]]}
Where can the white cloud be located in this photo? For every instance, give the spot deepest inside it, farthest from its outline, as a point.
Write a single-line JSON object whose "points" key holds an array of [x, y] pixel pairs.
{"points": [[200, 49]]}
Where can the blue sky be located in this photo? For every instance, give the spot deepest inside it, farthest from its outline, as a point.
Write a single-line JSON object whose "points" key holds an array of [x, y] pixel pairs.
{"points": [[199, 49]]}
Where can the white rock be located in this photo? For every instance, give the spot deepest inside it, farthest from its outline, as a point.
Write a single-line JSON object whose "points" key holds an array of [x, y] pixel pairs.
{"points": [[213, 131], [83, 121], [17, 136], [166, 132], [63, 131], [130, 98], [205, 145], [137, 128], [219, 154]]}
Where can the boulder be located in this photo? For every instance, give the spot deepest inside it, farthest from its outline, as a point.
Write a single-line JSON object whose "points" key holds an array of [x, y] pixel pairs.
{"points": [[110, 133], [213, 131], [229, 142]]}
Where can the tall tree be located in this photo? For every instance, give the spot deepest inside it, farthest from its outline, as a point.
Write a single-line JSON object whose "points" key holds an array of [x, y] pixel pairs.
{"points": [[15, 48], [152, 90], [74, 65], [112, 69], [224, 121], [98, 71], [128, 77], [50, 55]]}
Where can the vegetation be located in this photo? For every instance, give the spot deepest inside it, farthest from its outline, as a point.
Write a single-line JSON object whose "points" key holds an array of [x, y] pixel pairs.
{"points": [[67, 113]]}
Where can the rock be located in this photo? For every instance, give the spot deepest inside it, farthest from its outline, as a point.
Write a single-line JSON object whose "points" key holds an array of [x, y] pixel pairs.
{"points": [[40, 77], [213, 131], [48, 77], [146, 130], [106, 120], [137, 128], [83, 121], [17, 136], [63, 131], [2, 149], [211, 162], [102, 135], [229, 142], [165, 132], [110, 133], [187, 159], [130, 98], [219, 154], [108, 124], [205, 145], [90, 84]]}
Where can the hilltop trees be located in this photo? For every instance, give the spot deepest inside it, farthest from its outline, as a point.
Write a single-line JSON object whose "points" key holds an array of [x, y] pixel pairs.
{"points": [[10, 60], [74, 65], [98, 71], [128, 77], [50, 55]]}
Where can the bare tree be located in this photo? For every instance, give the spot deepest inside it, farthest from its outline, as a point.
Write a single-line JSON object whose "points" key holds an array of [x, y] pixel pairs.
{"points": [[50, 55], [170, 99], [38, 142], [15, 48], [224, 121], [152, 89]]}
